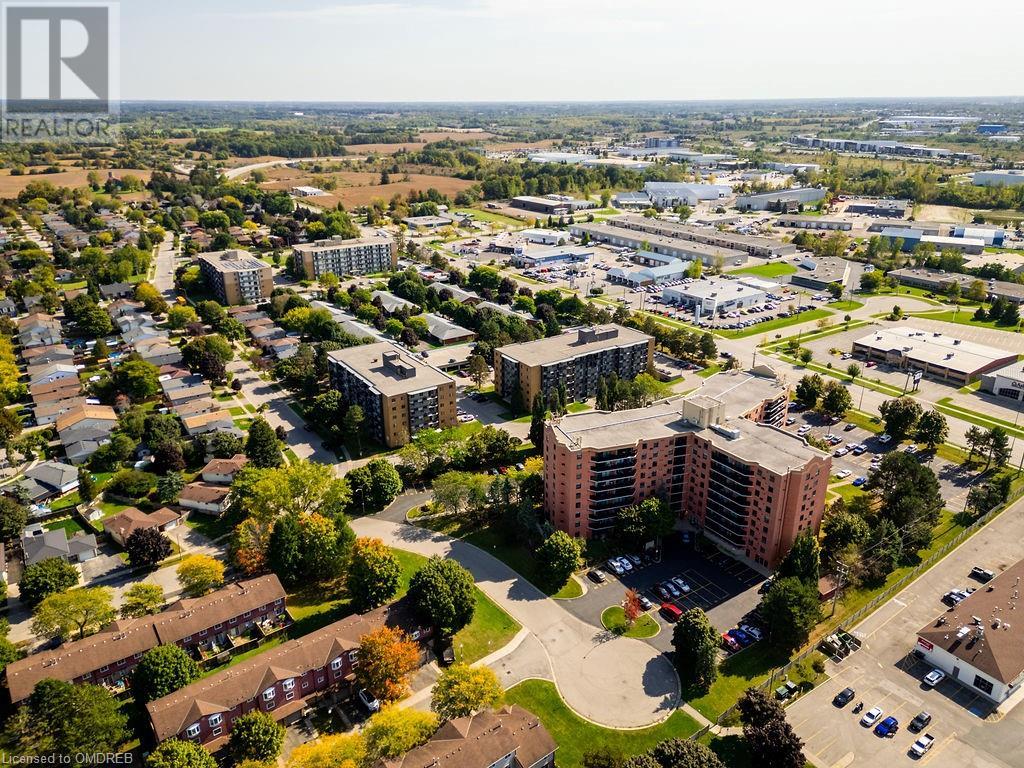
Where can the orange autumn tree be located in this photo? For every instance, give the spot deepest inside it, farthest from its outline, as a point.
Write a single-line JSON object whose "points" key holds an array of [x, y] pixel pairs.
{"points": [[631, 606], [387, 657]]}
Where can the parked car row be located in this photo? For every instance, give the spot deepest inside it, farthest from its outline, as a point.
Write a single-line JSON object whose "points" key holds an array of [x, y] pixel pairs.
{"points": [[887, 727], [741, 637]]}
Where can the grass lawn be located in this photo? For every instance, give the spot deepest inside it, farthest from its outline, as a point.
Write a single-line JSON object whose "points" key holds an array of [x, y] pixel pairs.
{"points": [[711, 370], [614, 619], [293, 457], [490, 630], [237, 410], [69, 524], [847, 491], [577, 407], [779, 322], [570, 591], [211, 527], [67, 502], [491, 217], [776, 269], [845, 306], [737, 673], [964, 317], [948, 407], [576, 736]]}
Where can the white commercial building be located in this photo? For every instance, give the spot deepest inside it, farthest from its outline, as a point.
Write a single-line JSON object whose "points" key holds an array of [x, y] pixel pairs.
{"points": [[934, 354], [711, 296], [1007, 178]]}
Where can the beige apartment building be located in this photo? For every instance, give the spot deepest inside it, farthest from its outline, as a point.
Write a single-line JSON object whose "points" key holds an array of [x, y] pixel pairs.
{"points": [[359, 256], [717, 456], [399, 394], [576, 358], [236, 277]]}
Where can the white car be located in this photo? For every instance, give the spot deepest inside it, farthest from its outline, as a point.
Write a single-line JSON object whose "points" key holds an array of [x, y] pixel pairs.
{"points": [[842, 474], [884, 439], [615, 567], [803, 430], [368, 700], [871, 717], [922, 745], [626, 565], [934, 677], [754, 632]]}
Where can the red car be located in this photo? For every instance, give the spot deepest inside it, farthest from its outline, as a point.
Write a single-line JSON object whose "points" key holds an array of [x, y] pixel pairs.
{"points": [[729, 643], [670, 612]]}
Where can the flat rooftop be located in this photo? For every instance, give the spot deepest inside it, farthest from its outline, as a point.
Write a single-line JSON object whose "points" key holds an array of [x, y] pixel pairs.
{"points": [[602, 231], [995, 644], [754, 443], [337, 242], [688, 231], [574, 343], [405, 374], [721, 290], [826, 270], [233, 261], [934, 348]]}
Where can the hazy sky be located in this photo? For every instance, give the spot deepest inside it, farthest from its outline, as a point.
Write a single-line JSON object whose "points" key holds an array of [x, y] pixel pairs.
{"points": [[578, 50]]}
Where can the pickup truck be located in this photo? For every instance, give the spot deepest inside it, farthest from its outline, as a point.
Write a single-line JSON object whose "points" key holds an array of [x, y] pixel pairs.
{"points": [[922, 745]]}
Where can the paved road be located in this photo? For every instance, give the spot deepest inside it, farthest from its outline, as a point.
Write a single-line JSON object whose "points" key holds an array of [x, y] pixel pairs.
{"points": [[614, 681], [882, 676], [166, 261], [234, 173]]}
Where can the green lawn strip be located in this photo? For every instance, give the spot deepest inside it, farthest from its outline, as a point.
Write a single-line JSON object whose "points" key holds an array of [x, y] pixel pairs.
{"points": [[490, 630], [815, 334], [737, 673], [577, 407], [917, 293], [965, 317], [576, 736], [291, 455], [237, 411], [711, 370], [948, 407], [614, 618], [491, 217], [570, 591], [779, 322], [69, 524], [860, 381], [776, 269], [845, 306], [970, 388]]}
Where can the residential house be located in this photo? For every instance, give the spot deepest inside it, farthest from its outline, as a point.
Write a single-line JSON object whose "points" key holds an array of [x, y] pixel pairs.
{"points": [[48, 412], [39, 544], [48, 480], [126, 522], [202, 423], [205, 497], [83, 430], [223, 471], [446, 332], [117, 291]]}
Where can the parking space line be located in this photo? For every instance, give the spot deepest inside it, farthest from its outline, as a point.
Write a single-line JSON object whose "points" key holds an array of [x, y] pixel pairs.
{"points": [[936, 748]]}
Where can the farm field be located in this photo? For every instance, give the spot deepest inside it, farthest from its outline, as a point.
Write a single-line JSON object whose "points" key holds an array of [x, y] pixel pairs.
{"points": [[360, 187], [11, 186]]}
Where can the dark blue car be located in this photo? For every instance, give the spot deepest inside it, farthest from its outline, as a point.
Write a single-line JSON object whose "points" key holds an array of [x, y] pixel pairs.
{"points": [[741, 637], [887, 727]]}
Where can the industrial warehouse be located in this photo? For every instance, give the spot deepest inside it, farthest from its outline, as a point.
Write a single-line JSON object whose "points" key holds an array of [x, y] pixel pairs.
{"points": [[934, 354]]}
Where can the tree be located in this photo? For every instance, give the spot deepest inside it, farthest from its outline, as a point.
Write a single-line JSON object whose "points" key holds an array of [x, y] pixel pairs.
{"points": [[900, 416], [13, 517], [932, 429], [46, 578], [261, 446], [193, 352], [444, 594], [86, 485], [179, 316], [559, 557], [835, 400], [998, 446], [462, 690], [352, 424], [907, 494], [284, 553], [170, 485], [376, 484], [478, 370], [387, 658], [212, 368], [695, 642], [395, 730], [224, 445], [137, 379], [198, 574], [803, 560], [804, 356], [374, 574], [841, 529], [65, 718], [537, 418], [162, 671], [631, 608], [769, 737], [146, 547], [977, 441], [141, 599], [853, 371], [641, 523], [809, 389], [334, 750], [256, 736], [175, 753], [791, 609], [63, 614], [684, 753]]}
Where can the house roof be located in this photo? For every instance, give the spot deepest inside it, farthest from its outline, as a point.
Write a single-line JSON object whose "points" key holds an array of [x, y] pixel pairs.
{"points": [[443, 329], [481, 740], [128, 521], [226, 466], [203, 419], [55, 543], [204, 493], [223, 691], [122, 639], [52, 473], [71, 418]]}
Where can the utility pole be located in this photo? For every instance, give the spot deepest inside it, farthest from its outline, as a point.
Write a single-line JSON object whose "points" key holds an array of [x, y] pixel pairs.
{"points": [[842, 571]]}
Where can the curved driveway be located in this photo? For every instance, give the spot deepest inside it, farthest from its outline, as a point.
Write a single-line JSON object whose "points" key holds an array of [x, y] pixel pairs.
{"points": [[613, 681]]}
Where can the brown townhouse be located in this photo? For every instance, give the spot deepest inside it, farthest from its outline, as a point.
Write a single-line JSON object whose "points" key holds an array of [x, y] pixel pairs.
{"points": [[108, 657]]}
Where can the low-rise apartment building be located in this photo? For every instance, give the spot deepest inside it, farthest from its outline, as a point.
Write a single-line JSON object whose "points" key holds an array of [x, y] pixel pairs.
{"points": [[235, 277], [399, 394], [359, 256], [576, 359], [717, 456], [108, 657]]}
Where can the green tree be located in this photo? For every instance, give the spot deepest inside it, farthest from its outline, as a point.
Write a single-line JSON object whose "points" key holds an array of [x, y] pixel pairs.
{"points": [[478, 370], [559, 557], [641, 523], [198, 574], [175, 753], [462, 690], [63, 614], [537, 419], [684, 753], [932, 429], [907, 494], [835, 400], [352, 424], [137, 379], [998, 447], [146, 547], [444, 594], [791, 609], [809, 389], [853, 371], [284, 553], [900, 416], [162, 671], [769, 737], [395, 730], [141, 599], [374, 574], [45, 578], [180, 316], [261, 446], [170, 486], [841, 529], [695, 642], [803, 560], [68, 719], [86, 485], [13, 517], [804, 356], [256, 736]]}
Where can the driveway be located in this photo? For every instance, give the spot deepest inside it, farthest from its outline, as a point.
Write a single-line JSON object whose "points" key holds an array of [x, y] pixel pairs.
{"points": [[883, 674], [614, 681]]}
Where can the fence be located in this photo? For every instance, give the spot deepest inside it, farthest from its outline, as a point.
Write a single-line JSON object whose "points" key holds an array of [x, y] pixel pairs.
{"points": [[869, 607]]}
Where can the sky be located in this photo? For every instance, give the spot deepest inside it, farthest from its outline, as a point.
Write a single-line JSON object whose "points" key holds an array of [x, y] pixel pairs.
{"points": [[567, 50]]}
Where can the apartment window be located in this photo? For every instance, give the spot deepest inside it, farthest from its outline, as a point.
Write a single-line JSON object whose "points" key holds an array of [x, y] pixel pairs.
{"points": [[270, 705], [305, 684], [217, 731], [186, 638], [336, 664], [319, 680], [269, 694], [202, 633], [217, 626], [104, 668], [192, 731], [246, 614], [216, 719], [288, 684], [289, 696]]}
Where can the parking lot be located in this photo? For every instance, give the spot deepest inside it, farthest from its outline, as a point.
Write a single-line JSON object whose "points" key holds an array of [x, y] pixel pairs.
{"points": [[725, 589], [885, 674]]}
